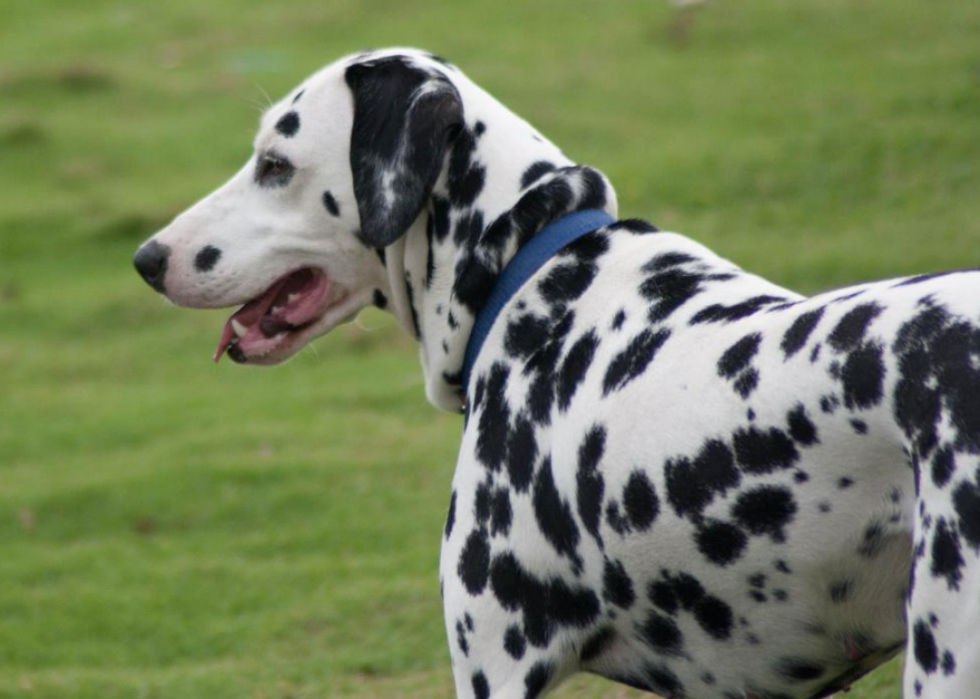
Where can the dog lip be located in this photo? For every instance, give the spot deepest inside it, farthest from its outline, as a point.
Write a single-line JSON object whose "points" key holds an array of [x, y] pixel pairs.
{"points": [[290, 304]]}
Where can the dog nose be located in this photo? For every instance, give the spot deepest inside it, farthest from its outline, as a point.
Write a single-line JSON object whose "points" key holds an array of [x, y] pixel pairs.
{"points": [[151, 262]]}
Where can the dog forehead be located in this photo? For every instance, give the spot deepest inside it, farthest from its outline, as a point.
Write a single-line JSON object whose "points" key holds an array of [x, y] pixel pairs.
{"points": [[322, 104]]}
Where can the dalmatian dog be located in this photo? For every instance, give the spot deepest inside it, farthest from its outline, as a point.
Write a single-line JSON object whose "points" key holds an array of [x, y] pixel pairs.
{"points": [[673, 473]]}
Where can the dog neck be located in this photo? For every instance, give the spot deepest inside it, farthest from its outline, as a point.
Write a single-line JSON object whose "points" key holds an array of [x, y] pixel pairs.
{"points": [[501, 183]]}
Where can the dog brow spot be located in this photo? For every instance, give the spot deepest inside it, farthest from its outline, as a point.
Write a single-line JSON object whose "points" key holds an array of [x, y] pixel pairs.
{"points": [[331, 203], [207, 258], [288, 124]]}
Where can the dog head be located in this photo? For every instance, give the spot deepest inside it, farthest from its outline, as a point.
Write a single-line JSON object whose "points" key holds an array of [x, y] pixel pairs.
{"points": [[340, 169], [388, 178]]}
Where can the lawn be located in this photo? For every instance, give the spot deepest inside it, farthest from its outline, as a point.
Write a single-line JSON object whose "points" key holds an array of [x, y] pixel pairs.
{"points": [[170, 528]]}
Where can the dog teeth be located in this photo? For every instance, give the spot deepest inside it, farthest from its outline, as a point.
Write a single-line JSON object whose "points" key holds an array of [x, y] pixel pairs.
{"points": [[291, 298], [239, 329], [274, 310]]}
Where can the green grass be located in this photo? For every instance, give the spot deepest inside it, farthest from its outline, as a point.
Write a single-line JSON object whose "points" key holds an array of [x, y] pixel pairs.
{"points": [[175, 529]]}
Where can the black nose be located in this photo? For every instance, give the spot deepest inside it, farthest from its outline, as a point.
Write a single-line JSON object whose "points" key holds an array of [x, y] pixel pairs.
{"points": [[151, 263]]}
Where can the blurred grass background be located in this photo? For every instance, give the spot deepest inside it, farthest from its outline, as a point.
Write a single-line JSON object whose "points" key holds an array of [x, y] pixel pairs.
{"points": [[174, 529]]}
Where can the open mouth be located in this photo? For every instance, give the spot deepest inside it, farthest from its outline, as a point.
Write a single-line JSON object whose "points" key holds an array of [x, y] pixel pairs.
{"points": [[273, 322]]}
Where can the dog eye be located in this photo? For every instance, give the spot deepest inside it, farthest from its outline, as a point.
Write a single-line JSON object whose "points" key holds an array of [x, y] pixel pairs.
{"points": [[273, 170]]}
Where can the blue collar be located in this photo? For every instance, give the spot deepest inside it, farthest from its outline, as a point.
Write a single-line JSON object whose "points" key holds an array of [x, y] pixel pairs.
{"points": [[531, 257]]}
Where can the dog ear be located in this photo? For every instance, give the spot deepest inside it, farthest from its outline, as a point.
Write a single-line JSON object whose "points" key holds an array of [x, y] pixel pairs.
{"points": [[404, 117]]}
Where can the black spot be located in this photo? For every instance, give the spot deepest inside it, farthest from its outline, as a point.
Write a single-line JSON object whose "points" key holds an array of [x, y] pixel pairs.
{"points": [[514, 642], [688, 590], [451, 517], [924, 647], [618, 320], [491, 439], [522, 451], [860, 426], [500, 512], [617, 585], [943, 465], [874, 541], [829, 404], [692, 486], [481, 688], [410, 295], [591, 486], [747, 382], [554, 516], [663, 681], [537, 679], [850, 330], [331, 204], [966, 501], [461, 638], [566, 282], [799, 332], [614, 519], [466, 176], [946, 559], [799, 670], [762, 452], [840, 591], [574, 368], [640, 501], [737, 357], [534, 172], [668, 290], [844, 482], [720, 542], [298, 95], [481, 503], [288, 124], [661, 593], [637, 226], [380, 300], [662, 634], [666, 260], [545, 605], [863, 376], [719, 313], [597, 644], [765, 509], [207, 258], [801, 429], [948, 663], [633, 361], [587, 248], [526, 335], [714, 616], [474, 562]]}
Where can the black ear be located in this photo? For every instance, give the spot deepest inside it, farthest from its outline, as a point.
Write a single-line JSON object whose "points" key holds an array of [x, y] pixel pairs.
{"points": [[404, 116]]}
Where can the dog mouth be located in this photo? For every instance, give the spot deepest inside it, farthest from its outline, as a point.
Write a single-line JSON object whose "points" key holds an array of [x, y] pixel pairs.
{"points": [[273, 322]]}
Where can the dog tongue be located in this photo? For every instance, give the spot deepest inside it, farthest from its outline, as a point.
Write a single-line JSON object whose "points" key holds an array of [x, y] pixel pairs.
{"points": [[290, 302]]}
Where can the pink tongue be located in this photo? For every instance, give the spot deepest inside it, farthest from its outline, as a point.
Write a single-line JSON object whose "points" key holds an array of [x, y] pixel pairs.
{"points": [[260, 325]]}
